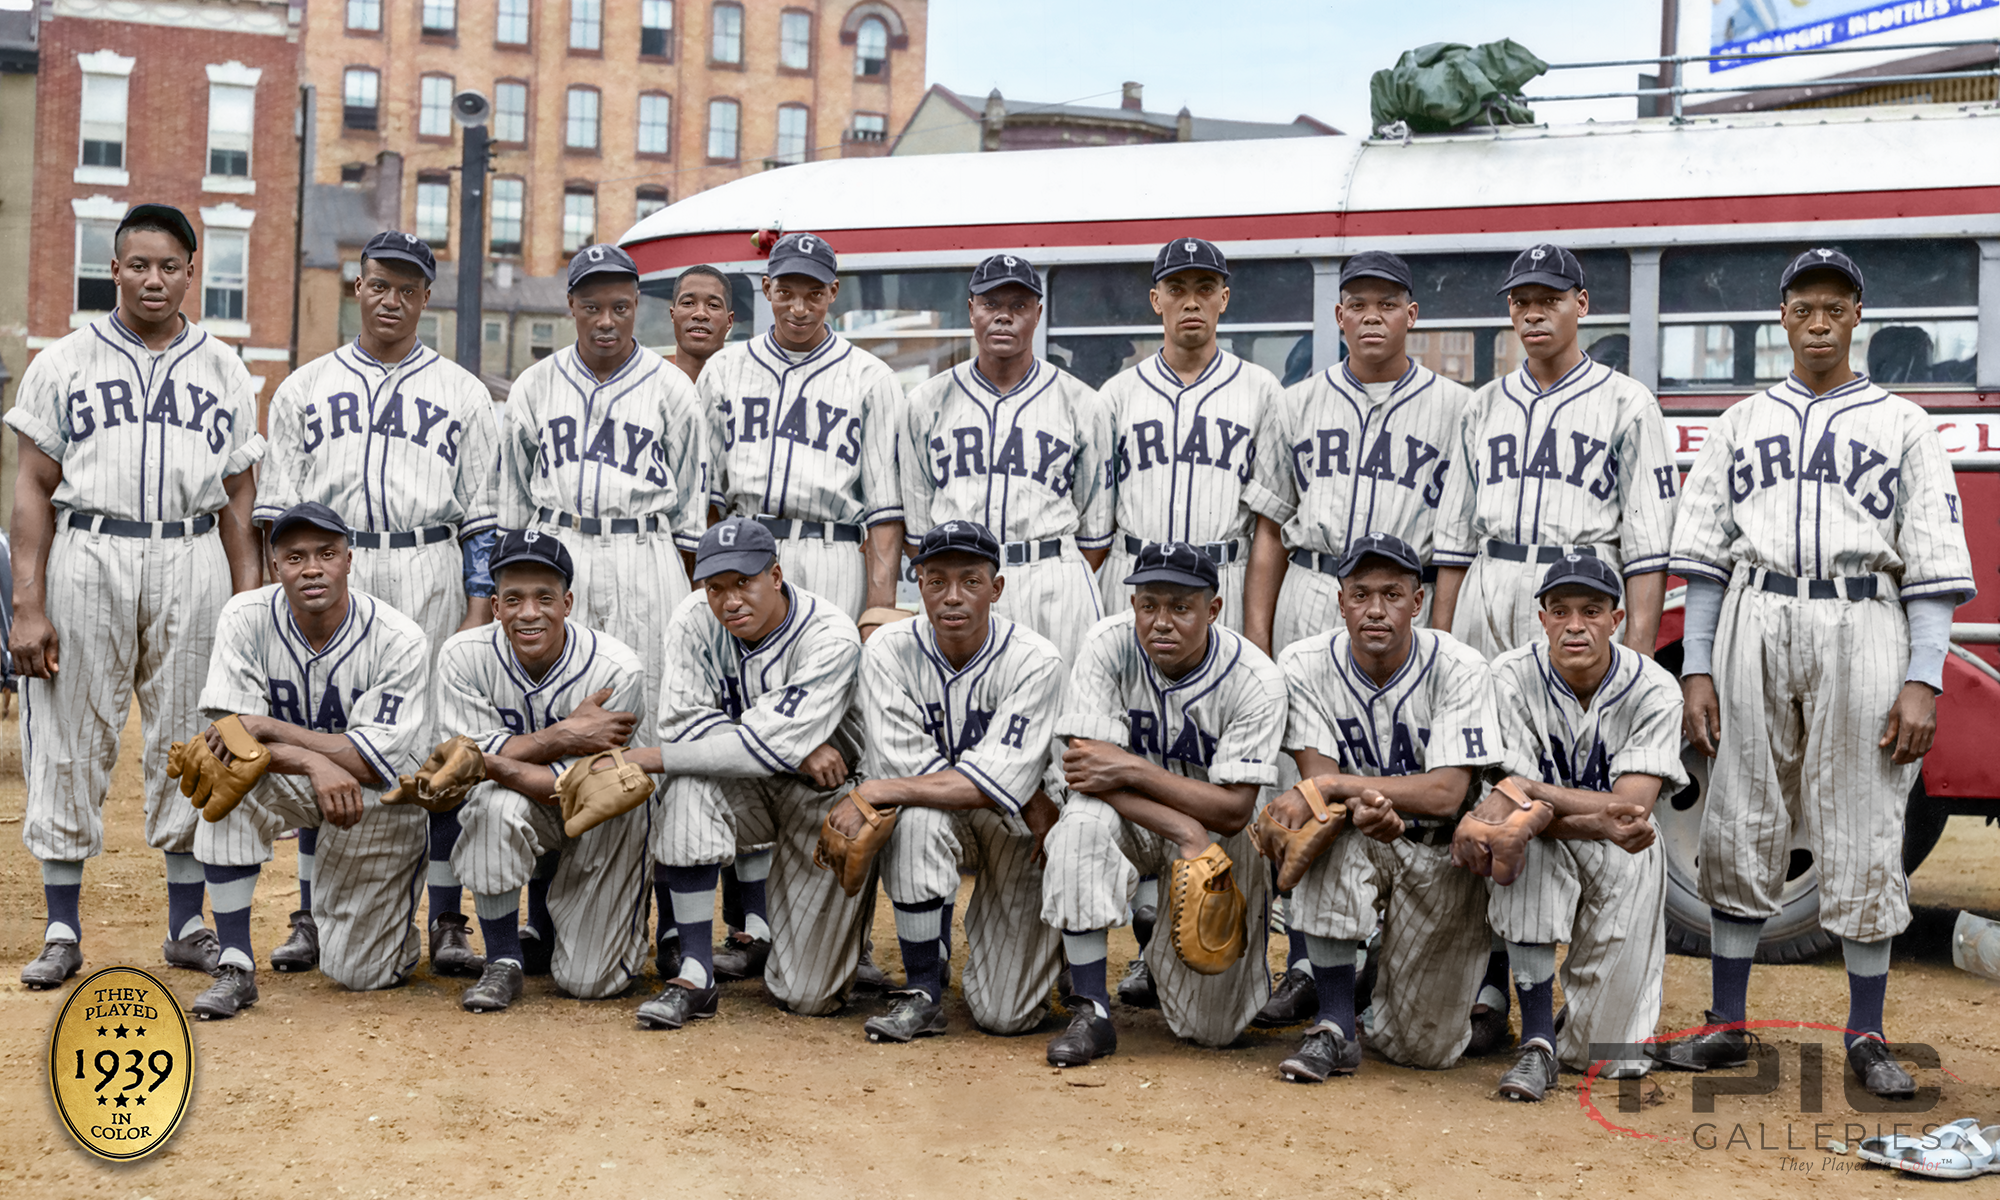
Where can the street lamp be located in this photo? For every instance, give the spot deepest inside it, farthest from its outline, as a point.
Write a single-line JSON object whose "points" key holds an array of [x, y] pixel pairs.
{"points": [[471, 109]]}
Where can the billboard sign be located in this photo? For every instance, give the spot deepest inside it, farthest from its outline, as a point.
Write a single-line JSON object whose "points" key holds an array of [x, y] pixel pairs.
{"points": [[1778, 26]]}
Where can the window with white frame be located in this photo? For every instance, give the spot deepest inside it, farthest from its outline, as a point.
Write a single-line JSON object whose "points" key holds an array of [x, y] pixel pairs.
{"points": [[579, 218], [656, 28], [364, 14], [95, 248], [508, 202], [510, 26], [224, 274], [361, 98], [231, 118], [655, 123], [726, 40], [795, 39], [724, 117], [586, 24], [869, 127], [793, 124], [650, 201], [434, 209], [434, 106], [440, 16], [580, 130], [104, 99], [871, 47], [510, 112]]}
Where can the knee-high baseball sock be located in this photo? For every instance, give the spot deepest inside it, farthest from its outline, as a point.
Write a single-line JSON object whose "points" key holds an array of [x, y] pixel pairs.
{"points": [[692, 891], [1732, 945], [308, 862], [1534, 967], [944, 936], [500, 924], [751, 872], [446, 894], [1493, 988], [1333, 977], [538, 896], [1295, 950], [917, 932], [1867, 986], [184, 889], [230, 891], [62, 889], [1085, 952]]}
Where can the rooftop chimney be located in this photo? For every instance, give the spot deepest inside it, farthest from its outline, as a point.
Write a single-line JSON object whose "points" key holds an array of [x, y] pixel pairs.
{"points": [[1133, 94], [388, 190], [1184, 125], [995, 122]]}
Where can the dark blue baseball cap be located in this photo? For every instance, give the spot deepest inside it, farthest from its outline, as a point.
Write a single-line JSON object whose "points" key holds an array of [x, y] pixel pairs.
{"points": [[1820, 259], [1547, 264], [167, 217], [603, 259], [803, 254], [1003, 269], [1379, 545], [1189, 254], [311, 513], [959, 537], [1577, 569], [1378, 264], [531, 547], [404, 247], [1176, 563], [735, 544]]}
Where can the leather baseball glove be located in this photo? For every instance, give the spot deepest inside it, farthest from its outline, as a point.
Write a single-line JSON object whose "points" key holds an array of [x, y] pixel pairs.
{"points": [[1293, 850], [595, 789], [440, 785], [213, 786], [1493, 838], [850, 857], [1205, 911]]}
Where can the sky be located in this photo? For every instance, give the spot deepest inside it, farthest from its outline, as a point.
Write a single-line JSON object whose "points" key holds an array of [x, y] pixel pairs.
{"points": [[1269, 60]]}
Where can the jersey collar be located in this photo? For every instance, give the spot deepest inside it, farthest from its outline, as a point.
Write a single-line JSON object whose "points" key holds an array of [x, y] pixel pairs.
{"points": [[1173, 381], [1575, 375], [124, 333], [981, 385], [1346, 373], [927, 639], [1362, 679], [558, 670], [1201, 669]]}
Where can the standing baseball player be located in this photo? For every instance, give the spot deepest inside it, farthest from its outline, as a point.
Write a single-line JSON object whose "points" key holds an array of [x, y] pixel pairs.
{"points": [[334, 683], [1563, 453], [1020, 446], [1399, 724], [1824, 555], [702, 317], [131, 528], [1593, 729], [403, 443], [537, 690]]}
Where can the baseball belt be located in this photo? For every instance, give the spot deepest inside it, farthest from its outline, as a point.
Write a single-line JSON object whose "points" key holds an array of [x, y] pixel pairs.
{"points": [[784, 528], [426, 536], [1515, 552], [1329, 564], [1428, 833], [1852, 587], [1014, 554], [596, 525], [142, 529], [1219, 553]]}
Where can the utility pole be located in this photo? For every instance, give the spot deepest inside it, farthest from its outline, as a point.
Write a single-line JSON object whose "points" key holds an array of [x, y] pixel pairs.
{"points": [[470, 109]]}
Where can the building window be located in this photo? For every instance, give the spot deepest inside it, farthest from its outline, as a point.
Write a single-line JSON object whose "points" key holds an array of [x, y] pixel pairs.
{"points": [[354, 173], [723, 118], [493, 331], [224, 272], [541, 339], [586, 24], [441, 17], [580, 132], [427, 330], [869, 127], [795, 30], [507, 206], [95, 249], [434, 106], [655, 123], [656, 29], [360, 94], [510, 112], [792, 136], [579, 218], [434, 209], [510, 26], [871, 47], [104, 120], [651, 200], [230, 113], [726, 45], [364, 14]]}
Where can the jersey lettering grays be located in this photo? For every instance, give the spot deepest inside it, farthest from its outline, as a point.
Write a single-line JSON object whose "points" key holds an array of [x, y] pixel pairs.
{"points": [[1186, 452]]}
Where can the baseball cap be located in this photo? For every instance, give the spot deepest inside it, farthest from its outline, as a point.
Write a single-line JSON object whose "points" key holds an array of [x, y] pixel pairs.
{"points": [[1821, 259], [1379, 545], [164, 215], [600, 260], [1581, 570], [803, 254], [312, 513], [1546, 264], [959, 537], [1378, 264], [1002, 269], [736, 544], [1189, 254], [1173, 562], [517, 547], [406, 247]]}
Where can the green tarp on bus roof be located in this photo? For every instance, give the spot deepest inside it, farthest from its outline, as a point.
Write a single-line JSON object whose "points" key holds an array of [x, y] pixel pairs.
{"points": [[1446, 86]]}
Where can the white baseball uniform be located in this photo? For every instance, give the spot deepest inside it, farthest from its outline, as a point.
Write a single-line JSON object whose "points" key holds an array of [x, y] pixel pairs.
{"points": [[598, 896], [1436, 711], [1608, 905], [1581, 464], [136, 574], [369, 683], [1219, 723], [808, 440], [1184, 469], [1818, 513], [1343, 459], [774, 703], [1031, 464], [407, 454]]}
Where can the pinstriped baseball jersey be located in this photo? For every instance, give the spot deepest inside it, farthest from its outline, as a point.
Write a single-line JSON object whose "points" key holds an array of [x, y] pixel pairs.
{"points": [[1436, 711], [1820, 487], [1186, 453], [389, 446], [483, 692], [140, 435], [1633, 724], [634, 445], [1582, 462], [814, 440]]}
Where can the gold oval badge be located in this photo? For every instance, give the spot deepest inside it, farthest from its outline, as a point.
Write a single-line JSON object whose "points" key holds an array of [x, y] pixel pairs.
{"points": [[121, 1064]]}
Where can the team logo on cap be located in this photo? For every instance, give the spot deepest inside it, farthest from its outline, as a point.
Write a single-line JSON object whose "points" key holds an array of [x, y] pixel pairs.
{"points": [[1824, 254], [410, 238], [807, 245], [531, 537], [1011, 261], [596, 253], [1572, 558], [953, 527], [727, 534], [1188, 246], [1538, 254]]}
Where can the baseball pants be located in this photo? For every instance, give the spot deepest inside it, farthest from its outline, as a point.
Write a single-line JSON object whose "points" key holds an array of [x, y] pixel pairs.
{"points": [[1309, 604], [626, 585], [598, 897], [1497, 609], [130, 614], [1117, 596], [835, 570], [1805, 688], [424, 583], [1011, 957], [1055, 597]]}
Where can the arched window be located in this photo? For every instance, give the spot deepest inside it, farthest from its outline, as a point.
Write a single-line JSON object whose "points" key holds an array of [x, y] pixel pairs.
{"points": [[871, 47]]}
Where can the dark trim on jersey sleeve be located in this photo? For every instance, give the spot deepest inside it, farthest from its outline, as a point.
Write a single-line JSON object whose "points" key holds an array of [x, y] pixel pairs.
{"points": [[1681, 564], [987, 787], [1648, 565]]}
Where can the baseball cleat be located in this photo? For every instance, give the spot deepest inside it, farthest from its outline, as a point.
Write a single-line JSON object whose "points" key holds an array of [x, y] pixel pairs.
{"points": [[1294, 998], [678, 1003], [1136, 990], [666, 954], [741, 957], [234, 990], [1326, 1052], [300, 951], [451, 950], [499, 985], [1706, 1051], [57, 962], [912, 1014], [198, 951], [1532, 1076], [1490, 1034], [1088, 1037], [1878, 1070], [538, 951]]}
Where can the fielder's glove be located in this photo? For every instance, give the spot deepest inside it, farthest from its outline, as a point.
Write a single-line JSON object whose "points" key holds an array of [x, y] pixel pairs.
{"points": [[593, 790], [1493, 838], [1205, 911], [211, 785], [850, 857], [1293, 850], [441, 784]]}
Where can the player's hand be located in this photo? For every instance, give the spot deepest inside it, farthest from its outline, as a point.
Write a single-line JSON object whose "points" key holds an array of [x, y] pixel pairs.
{"points": [[1291, 809], [1372, 814], [826, 768], [338, 792], [1093, 767], [34, 645], [1912, 723], [1040, 814], [1701, 715], [217, 746], [591, 729], [845, 818], [1626, 826]]}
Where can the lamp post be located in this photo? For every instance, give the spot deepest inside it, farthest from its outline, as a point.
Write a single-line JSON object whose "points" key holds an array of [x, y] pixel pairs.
{"points": [[471, 109]]}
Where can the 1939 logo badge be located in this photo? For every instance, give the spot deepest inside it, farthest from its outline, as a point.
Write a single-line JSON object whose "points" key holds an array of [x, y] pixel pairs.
{"points": [[121, 1064]]}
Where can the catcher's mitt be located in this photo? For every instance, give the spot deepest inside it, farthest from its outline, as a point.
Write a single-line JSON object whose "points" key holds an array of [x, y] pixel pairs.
{"points": [[440, 785], [1205, 912], [211, 785], [850, 857], [1293, 850], [1493, 838], [598, 788]]}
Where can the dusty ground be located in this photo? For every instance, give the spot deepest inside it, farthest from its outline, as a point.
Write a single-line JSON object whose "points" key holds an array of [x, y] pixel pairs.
{"points": [[318, 1092]]}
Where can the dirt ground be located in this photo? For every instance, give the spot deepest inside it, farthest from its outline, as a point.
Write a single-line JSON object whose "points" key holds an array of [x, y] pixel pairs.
{"points": [[320, 1092]]}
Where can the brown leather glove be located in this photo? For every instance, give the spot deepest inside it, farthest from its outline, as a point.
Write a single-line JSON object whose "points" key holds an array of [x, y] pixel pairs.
{"points": [[1493, 838], [1294, 850], [1205, 911], [454, 768], [211, 785], [849, 858], [595, 789]]}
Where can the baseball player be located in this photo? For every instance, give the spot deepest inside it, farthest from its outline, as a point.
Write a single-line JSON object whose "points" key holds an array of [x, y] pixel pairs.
{"points": [[702, 316], [404, 443], [1020, 446], [131, 528], [1560, 454], [758, 737], [334, 683], [1172, 722], [802, 427], [1399, 723], [1824, 555], [957, 706], [1594, 730], [537, 690]]}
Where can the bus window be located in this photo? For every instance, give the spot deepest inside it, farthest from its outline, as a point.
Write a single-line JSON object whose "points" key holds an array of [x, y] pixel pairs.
{"points": [[916, 321], [1751, 353], [1456, 286], [654, 328], [1475, 356], [1102, 320]]}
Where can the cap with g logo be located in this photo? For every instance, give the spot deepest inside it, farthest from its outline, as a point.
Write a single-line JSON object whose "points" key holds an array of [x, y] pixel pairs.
{"points": [[737, 544], [600, 260], [1379, 545], [1003, 269], [1176, 563], [803, 254], [1189, 254], [517, 547], [1821, 259], [1581, 570], [1546, 264], [404, 247], [959, 537]]}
